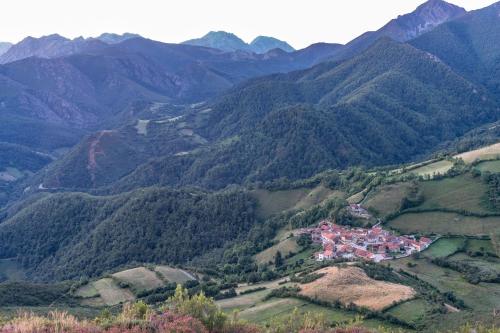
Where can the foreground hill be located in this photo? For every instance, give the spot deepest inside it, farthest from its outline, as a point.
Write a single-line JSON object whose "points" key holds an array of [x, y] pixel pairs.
{"points": [[386, 106], [69, 235]]}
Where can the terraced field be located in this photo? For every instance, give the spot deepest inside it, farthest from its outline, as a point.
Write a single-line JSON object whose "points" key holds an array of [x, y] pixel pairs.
{"points": [[444, 247], [352, 285], [459, 193], [123, 286], [285, 247], [411, 312], [444, 224], [139, 278], [387, 199]]}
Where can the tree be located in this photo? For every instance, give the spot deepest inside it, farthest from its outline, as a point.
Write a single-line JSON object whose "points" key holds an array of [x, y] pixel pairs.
{"points": [[278, 260]]}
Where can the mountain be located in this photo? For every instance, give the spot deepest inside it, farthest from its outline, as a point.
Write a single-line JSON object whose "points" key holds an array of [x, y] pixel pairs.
{"points": [[220, 40], [264, 44], [50, 104], [469, 45], [229, 42], [406, 27], [4, 47], [51, 46], [388, 105], [111, 38]]}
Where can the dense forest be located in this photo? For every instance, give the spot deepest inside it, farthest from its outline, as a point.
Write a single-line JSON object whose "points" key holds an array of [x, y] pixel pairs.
{"points": [[70, 235]]}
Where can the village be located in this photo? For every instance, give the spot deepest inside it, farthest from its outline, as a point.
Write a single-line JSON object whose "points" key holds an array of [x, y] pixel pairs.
{"points": [[370, 244]]}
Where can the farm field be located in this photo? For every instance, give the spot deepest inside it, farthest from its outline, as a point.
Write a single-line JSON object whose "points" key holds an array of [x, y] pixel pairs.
{"points": [[174, 274], [410, 312], [387, 198], [461, 193], [480, 245], [439, 167], [107, 291], [444, 224], [273, 202], [491, 166], [486, 153], [444, 247], [112, 294], [285, 247], [482, 297], [352, 285], [139, 278], [490, 264]]}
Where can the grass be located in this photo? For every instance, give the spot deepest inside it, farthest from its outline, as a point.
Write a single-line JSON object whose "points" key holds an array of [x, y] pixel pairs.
{"points": [[174, 274], [387, 199], [11, 270], [273, 202], [444, 247], [461, 193], [87, 291], [110, 293], [139, 279], [486, 153], [492, 264], [410, 312], [482, 297], [286, 247], [480, 245], [491, 166], [444, 224], [439, 167]]}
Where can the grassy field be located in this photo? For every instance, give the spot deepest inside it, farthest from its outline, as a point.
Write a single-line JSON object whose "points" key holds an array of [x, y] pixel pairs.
{"points": [[480, 245], [491, 166], [410, 312], [277, 201], [482, 297], [486, 153], [387, 198], [352, 285], [444, 224], [490, 264], [139, 278], [174, 274], [439, 167], [273, 202], [444, 247], [110, 293], [462, 193], [286, 247], [11, 270]]}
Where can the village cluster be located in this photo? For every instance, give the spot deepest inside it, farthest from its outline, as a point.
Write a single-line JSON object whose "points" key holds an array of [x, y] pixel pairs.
{"points": [[374, 244]]}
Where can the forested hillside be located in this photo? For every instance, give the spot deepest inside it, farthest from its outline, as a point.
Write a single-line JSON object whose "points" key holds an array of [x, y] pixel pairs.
{"points": [[69, 235], [389, 105]]}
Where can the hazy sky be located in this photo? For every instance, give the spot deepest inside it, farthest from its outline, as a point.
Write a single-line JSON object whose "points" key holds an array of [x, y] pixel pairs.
{"points": [[298, 22]]}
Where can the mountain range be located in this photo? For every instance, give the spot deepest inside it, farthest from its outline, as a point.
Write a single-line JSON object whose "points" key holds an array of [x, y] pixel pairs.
{"points": [[148, 122], [4, 47], [229, 42]]}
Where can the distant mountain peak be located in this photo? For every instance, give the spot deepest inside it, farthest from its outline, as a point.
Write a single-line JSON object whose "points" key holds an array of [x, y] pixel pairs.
{"points": [[426, 17], [112, 38], [229, 42], [221, 40], [264, 44]]}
